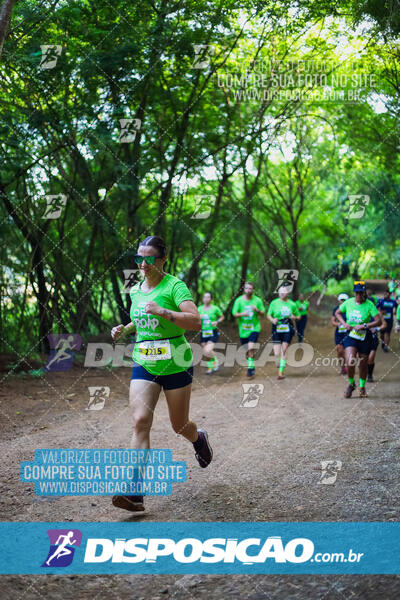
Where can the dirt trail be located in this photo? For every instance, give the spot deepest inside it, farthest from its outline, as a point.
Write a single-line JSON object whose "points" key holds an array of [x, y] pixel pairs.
{"points": [[266, 468]]}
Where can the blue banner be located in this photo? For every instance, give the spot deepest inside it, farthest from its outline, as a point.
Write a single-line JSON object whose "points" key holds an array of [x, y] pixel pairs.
{"points": [[209, 548]]}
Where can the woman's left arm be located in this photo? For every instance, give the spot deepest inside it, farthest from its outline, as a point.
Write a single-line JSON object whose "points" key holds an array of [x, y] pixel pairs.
{"points": [[189, 318]]}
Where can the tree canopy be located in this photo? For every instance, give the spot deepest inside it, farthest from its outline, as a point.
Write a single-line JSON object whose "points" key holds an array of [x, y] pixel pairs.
{"points": [[252, 136]]}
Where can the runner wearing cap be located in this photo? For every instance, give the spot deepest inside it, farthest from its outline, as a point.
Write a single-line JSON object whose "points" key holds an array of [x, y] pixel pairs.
{"points": [[387, 307], [282, 312], [210, 315], [340, 334], [358, 315], [162, 309], [247, 309]]}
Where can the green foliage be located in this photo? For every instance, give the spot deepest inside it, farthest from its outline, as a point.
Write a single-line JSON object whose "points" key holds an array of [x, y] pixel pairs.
{"points": [[274, 170]]}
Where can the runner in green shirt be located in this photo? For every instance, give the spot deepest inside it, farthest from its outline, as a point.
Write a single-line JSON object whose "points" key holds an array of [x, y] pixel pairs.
{"points": [[210, 315], [247, 309], [359, 316], [282, 312], [162, 309], [340, 334], [302, 307]]}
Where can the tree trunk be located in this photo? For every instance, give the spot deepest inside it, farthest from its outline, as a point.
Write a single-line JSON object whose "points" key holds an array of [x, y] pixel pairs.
{"points": [[5, 17]]}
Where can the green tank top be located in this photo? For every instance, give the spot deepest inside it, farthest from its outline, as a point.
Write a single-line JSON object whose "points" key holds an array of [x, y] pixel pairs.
{"points": [[161, 347]]}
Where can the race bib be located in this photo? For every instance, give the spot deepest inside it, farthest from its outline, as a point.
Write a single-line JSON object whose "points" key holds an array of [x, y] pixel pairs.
{"points": [[282, 327], [248, 326], [358, 335], [387, 315], [207, 332], [342, 328], [155, 349]]}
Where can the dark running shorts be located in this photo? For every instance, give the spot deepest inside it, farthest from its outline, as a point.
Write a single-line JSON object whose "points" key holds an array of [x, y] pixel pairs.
{"points": [[374, 343], [362, 346], [168, 382], [389, 326], [253, 337], [282, 336], [212, 338], [339, 337]]}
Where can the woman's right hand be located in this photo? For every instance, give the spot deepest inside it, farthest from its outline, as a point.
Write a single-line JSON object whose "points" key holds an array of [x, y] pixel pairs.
{"points": [[117, 332]]}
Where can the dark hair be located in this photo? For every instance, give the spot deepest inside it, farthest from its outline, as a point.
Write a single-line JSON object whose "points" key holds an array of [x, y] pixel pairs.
{"points": [[157, 243]]}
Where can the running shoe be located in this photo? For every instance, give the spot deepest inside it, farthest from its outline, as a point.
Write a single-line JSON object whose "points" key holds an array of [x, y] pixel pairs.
{"points": [[363, 392], [209, 371], [251, 372], [370, 379], [349, 391], [385, 348], [131, 503], [204, 454], [343, 371], [280, 377], [215, 369]]}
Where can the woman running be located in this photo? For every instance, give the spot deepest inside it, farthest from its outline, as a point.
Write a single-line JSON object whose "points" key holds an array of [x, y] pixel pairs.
{"points": [[359, 316], [282, 312], [302, 307], [246, 309], [340, 334], [162, 309], [210, 315]]}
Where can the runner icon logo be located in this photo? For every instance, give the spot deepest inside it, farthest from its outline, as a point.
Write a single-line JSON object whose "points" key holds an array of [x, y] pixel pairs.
{"points": [[50, 54], [129, 128], [251, 394], [203, 206], [54, 205], [130, 279], [357, 206], [202, 56], [61, 356], [286, 277], [330, 470], [62, 547], [98, 395]]}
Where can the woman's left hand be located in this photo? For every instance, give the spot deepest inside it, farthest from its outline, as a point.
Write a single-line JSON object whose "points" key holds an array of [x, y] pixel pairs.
{"points": [[152, 308]]}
